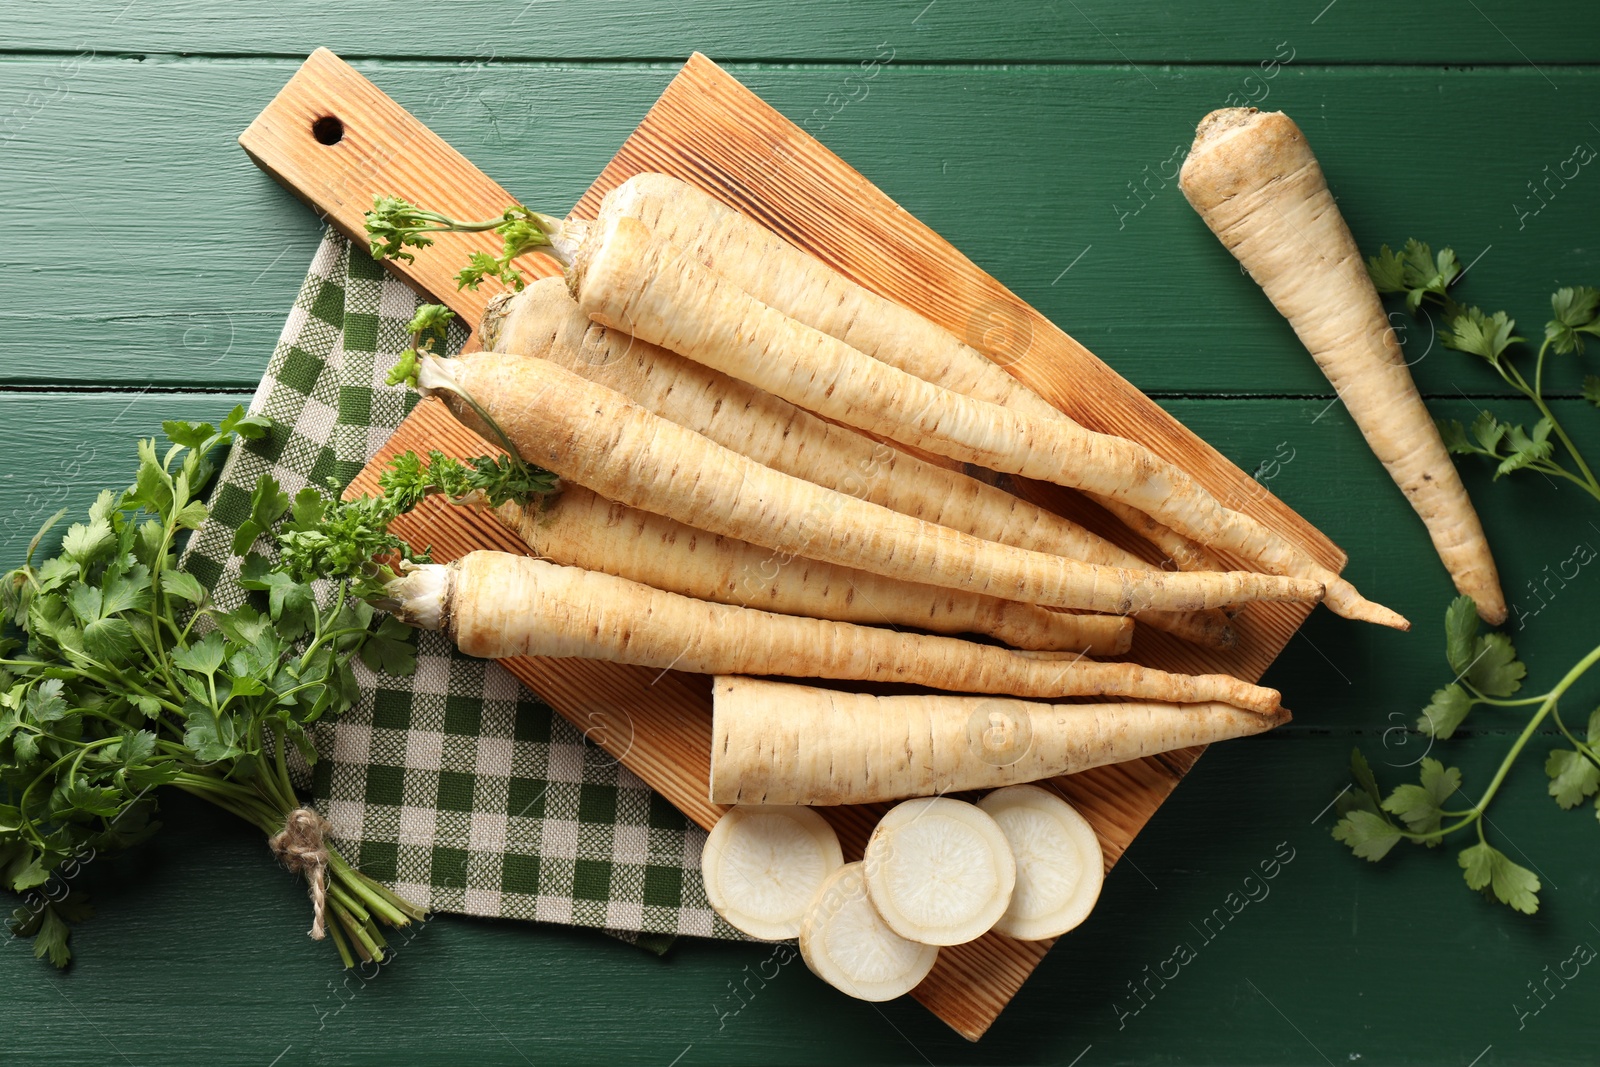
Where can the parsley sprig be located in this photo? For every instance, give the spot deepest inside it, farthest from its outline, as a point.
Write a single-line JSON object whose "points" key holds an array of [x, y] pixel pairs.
{"points": [[1488, 673], [1426, 278], [427, 328], [493, 481], [126, 677], [394, 224]]}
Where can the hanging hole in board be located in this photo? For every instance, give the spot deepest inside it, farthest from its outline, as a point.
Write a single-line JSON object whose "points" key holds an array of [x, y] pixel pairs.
{"points": [[328, 130]]}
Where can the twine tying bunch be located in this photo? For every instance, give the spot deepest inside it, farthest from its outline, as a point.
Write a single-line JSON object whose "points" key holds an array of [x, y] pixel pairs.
{"points": [[302, 847]]}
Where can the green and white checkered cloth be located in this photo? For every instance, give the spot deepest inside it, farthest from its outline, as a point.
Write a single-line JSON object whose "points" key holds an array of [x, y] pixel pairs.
{"points": [[456, 786]]}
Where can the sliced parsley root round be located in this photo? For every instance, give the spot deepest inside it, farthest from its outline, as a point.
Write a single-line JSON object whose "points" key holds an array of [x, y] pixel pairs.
{"points": [[939, 871], [847, 944], [1059, 863], [762, 865]]}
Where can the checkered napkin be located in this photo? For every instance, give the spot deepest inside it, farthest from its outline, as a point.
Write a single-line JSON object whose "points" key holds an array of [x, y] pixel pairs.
{"points": [[456, 786]]}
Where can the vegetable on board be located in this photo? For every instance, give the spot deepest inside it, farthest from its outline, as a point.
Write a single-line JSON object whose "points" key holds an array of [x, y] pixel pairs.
{"points": [[639, 275], [496, 605], [781, 743], [939, 870], [544, 321], [847, 944], [1254, 180], [763, 865], [626, 278], [595, 437], [581, 529], [1060, 867]]}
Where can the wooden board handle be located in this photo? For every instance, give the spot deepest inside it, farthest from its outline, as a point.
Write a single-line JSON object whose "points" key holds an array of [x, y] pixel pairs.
{"points": [[337, 142]]}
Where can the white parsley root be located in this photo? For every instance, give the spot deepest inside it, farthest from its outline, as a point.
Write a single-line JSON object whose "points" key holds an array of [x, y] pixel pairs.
{"points": [[781, 743], [1253, 179], [939, 871], [764, 864], [1060, 867], [847, 944]]}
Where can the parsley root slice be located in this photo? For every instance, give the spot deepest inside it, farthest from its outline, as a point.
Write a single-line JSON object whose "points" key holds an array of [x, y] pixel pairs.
{"points": [[763, 865], [1060, 866], [626, 278], [1253, 179], [764, 265], [847, 944], [940, 871], [495, 605], [581, 529], [544, 321], [781, 743], [595, 437]]}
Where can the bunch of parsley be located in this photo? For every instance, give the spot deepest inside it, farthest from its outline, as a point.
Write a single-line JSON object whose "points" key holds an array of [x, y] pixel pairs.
{"points": [[1487, 673], [1425, 278], [128, 678]]}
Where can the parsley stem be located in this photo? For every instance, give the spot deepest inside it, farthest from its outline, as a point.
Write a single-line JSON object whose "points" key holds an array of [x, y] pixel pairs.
{"points": [[345, 956], [1479, 698], [1548, 705]]}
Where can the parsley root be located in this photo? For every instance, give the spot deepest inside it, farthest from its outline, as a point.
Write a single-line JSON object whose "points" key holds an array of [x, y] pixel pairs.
{"points": [[580, 529], [495, 605], [627, 278], [781, 743], [1253, 179], [597, 438], [544, 321]]}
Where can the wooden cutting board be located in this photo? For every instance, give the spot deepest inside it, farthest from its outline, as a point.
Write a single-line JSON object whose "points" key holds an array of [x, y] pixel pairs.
{"points": [[337, 142]]}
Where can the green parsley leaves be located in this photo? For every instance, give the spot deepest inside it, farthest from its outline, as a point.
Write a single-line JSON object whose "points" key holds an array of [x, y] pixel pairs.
{"points": [[131, 678], [1488, 673], [393, 225], [1426, 278]]}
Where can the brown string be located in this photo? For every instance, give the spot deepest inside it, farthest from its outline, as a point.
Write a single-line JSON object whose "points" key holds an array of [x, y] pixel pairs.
{"points": [[301, 846]]}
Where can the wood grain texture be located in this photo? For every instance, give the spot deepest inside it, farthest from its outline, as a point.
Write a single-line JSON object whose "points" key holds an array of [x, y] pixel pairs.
{"points": [[1100, 31], [710, 130]]}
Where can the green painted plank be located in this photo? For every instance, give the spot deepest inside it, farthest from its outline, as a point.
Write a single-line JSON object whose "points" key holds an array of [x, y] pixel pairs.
{"points": [[1150, 31], [1029, 170], [64, 448], [200, 925], [198, 956]]}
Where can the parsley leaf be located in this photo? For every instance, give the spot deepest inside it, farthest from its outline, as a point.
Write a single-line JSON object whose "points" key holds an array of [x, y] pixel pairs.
{"points": [[1445, 711], [1415, 271], [1419, 806], [1460, 633], [1478, 334], [268, 503], [1369, 836], [1575, 314], [1487, 868], [1573, 776], [1495, 669]]}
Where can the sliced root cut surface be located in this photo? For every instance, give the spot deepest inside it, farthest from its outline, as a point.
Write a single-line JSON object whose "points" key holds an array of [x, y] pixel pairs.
{"points": [[763, 864], [1059, 863], [939, 871], [847, 944]]}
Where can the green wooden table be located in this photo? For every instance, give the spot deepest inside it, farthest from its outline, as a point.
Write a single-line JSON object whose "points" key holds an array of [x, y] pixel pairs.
{"points": [[148, 267]]}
